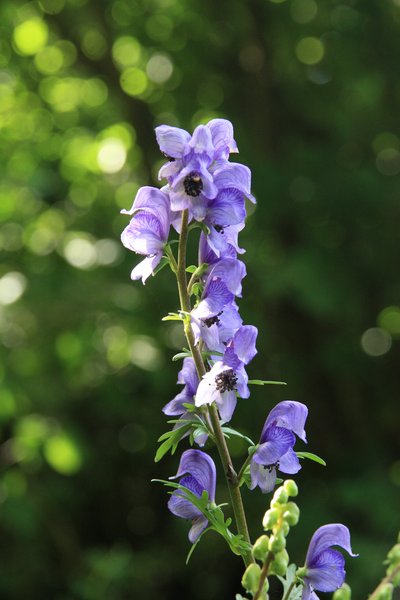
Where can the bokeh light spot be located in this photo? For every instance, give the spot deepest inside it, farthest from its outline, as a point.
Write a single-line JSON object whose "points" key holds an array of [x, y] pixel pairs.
{"points": [[389, 319], [30, 36], [62, 454], [49, 60], [12, 286], [388, 162], [126, 51], [111, 156], [133, 81], [376, 341], [159, 68], [145, 354], [303, 11], [310, 50], [80, 253]]}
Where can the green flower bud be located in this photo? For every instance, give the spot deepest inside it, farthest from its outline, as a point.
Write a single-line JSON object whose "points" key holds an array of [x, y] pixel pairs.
{"points": [[270, 518], [343, 593], [396, 578], [280, 496], [394, 554], [385, 593], [291, 488], [280, 563], [292, 513], [285, 528], [251, 578], [277, 542], [260, 548]]}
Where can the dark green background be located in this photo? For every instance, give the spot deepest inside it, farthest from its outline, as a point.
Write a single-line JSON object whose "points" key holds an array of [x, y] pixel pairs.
{"points": [[313, 91]]}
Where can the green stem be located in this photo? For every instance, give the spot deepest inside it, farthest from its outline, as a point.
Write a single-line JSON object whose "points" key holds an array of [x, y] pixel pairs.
{"points": [[385, 580], [264, 574], [287, 595], [243, 468], [230, 474]]}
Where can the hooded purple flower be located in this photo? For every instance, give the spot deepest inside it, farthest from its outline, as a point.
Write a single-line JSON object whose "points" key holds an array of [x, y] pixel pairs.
{"points": [[275, 451], [198, 473], [148, 230], [324, 567], [198, 168], [224, 218], [228, 376]]}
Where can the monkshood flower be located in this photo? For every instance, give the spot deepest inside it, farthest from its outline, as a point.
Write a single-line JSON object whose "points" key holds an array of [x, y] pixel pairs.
{"points": [[228, 376], [148, 230], [324, 569], [275, 451], [198, 169], [224, 218], [198, 473]]}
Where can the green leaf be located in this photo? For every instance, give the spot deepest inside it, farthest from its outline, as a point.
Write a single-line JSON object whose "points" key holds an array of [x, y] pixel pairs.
{"points": [[228, 431], [312, 456], [172, 317], [163, 263], [197, 289], [171, 440], [180, 355], [289, 580], [191, 269], [266, 382]]}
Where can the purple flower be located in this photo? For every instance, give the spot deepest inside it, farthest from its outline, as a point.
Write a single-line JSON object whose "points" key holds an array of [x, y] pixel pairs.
{"points": [[198, 473], [324, 568], [187, 377], [228, 376], [224, 218], [275, 451], [148, 230]]}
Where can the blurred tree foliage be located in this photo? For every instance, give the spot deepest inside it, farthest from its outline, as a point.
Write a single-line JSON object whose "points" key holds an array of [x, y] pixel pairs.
{"points": [[313, 91]]}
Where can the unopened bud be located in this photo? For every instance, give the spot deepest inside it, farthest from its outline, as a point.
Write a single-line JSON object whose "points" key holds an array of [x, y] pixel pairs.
{"points": [[280, 496], [291, 487], [280, 563], [292, 513], [270, 518], [385, 593], [396, 578], [277, 542], [343, 593], [285, 528], [260, 548], [251, 578], [394, 554]]}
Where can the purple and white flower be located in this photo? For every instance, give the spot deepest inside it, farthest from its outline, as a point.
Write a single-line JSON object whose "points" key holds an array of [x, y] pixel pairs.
{"points": [[197, 472], [275, 451], [227, 377], [148, 230], [324, 568]]}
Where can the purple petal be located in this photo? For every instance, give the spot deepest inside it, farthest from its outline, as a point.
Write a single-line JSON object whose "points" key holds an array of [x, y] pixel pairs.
{"points": [[169, 170], [277, 442], [199, 524], [327, 572], [172, 140], [229, 323], [175, 406], [264, 478], [234, 175], [155, 202], [326, 536], [216, 296], [143, 235], [289, 414], [201, 468], [242, 387], [146, 268], [244, 343], [222, 137], [289, 463], [201, 142], [231, 271], [228, 208], [226, 405], [182, 507], [188, 375], [308, 593]]}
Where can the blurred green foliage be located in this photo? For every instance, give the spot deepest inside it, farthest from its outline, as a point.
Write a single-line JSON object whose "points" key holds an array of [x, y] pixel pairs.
{"points": [[313, 91]]}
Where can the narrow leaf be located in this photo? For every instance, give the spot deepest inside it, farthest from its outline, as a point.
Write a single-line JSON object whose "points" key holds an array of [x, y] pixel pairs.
{"points": [[266, 382], [312, 456]]}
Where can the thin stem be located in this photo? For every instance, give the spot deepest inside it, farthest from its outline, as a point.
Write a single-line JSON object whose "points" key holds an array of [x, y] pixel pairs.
{"points": [[264, 574], [230, 474], [243, 468], [287, 595], [385, 580]]}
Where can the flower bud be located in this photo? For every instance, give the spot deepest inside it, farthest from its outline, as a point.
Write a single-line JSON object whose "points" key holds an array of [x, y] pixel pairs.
{"points": [[394, 554], [251, 578], [292, 513], [285, 528], [270, 518], [343, 593], [280, 563], [280, 496], [291, 488], [396, 578], [277, 542], [260, 548], [385, 593]]}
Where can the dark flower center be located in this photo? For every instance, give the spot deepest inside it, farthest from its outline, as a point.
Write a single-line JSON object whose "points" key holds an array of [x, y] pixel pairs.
{"points": [[193, 184], [219, 228], [271, 467], [226, 381], [212, 320]]}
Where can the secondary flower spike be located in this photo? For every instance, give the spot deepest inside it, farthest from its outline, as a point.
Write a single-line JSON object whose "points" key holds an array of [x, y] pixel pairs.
{"points": [[198, 473], [275, 451], [324, 569]]}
